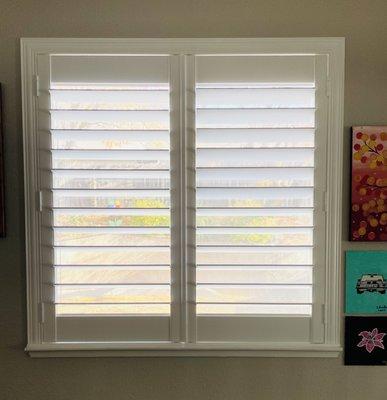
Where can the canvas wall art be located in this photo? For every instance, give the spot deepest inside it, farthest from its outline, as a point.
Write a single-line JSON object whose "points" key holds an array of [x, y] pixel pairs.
{"points": [[366, 282], [369, 183], [365, 341]]}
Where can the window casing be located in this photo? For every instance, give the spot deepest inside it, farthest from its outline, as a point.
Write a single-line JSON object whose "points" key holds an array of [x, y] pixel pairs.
{"points": [[213, 269]]}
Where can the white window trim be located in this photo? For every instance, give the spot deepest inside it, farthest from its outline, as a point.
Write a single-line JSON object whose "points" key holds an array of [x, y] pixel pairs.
{"points": [[332, 47]]}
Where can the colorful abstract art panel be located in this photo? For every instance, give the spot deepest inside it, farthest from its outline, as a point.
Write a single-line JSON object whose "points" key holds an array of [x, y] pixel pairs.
{"points": [[365, 341], [369, 183], [366, 282]]}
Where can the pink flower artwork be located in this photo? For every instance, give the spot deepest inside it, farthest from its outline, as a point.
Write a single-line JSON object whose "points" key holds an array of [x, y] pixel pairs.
{"points": [[371, 340]]}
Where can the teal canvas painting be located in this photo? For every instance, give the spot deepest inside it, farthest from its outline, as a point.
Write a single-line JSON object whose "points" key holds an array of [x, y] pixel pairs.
{"points": [[366, 282]]}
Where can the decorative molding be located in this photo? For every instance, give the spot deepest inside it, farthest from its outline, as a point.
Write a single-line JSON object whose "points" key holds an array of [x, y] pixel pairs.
{"points": [[182, 350]]}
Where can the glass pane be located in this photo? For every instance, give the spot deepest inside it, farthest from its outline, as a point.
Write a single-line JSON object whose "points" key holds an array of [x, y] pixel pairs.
{"points": [[254, 255], [254, 217], [111, 198], [254, 97], [112, 309], [255, 236], [94, 140], [254, 158], [240, 138], [112, 275], [110, 179], [279, 197], [265, 294], [110, 100], [137, 120], [112, 294], [111, 236], [263, 177], [244, 118], [115, 217], [112, 256], [244, 274], [105, 159], [293, 309]]}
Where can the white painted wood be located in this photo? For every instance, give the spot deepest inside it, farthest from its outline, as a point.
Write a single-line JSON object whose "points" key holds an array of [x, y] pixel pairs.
{"points": [[320, 215], [177, 247], [190, 195], [160, 349], [332, 48], [113, 329]]}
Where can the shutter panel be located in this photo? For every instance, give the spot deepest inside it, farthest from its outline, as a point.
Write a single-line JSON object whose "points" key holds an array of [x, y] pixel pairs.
{"points": [[255, 126], [107, 196]]}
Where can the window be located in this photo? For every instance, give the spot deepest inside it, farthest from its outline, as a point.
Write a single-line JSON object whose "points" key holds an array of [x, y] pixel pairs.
{"points": [[183, 196]]}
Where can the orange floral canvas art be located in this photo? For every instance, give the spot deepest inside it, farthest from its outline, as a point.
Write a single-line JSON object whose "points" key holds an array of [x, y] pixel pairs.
{"points": [[369, 183]]}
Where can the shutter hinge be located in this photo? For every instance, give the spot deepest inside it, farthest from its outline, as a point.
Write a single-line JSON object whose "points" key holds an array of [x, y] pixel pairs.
{"points": [[40, 200], [37, 86], [329, 87], [41, 313]]}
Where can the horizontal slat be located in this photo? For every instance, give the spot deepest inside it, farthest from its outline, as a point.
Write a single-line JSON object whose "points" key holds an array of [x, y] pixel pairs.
{"points": [[254, 158], [111, 198], [112, 236], [112, 294], [254, 97], [62, 139], [111, 256], [109, 69], [254, 294], [94, 179], [257, 255], [139, 120], [106, 99], [112, 309], [276, 274], [274, 309], [257, 118], [112, 275], [275, 138], [262, 197], [254, 217], [255, 236], [109, 159], [107, 265], [255, 177], [111, 217], [255, 69]]}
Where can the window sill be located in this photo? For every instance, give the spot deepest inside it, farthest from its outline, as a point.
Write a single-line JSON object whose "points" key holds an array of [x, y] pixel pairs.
{"points": [[49, 350]]}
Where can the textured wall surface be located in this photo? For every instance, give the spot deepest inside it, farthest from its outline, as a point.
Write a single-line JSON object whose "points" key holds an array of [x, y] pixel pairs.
{"points": [[364, 25]]}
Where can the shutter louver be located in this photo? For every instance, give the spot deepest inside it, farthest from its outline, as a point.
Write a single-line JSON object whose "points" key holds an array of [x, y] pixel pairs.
{"points": [[255, 185], [110, 185]]}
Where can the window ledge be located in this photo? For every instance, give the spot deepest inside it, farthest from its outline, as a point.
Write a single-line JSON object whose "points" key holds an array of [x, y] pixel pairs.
{"points": [[96, 349]]}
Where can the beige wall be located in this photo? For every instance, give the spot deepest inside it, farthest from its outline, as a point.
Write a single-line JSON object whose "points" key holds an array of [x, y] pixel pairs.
{"points": [[362, 22]]}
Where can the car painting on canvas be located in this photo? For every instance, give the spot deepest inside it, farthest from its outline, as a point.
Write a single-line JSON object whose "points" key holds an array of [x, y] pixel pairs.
{"points": [[366, 282]]}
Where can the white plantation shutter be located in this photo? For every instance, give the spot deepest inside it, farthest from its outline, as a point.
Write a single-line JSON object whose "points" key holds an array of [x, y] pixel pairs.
{"points": [[181, 196], [106, 196], [255, 190]]}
